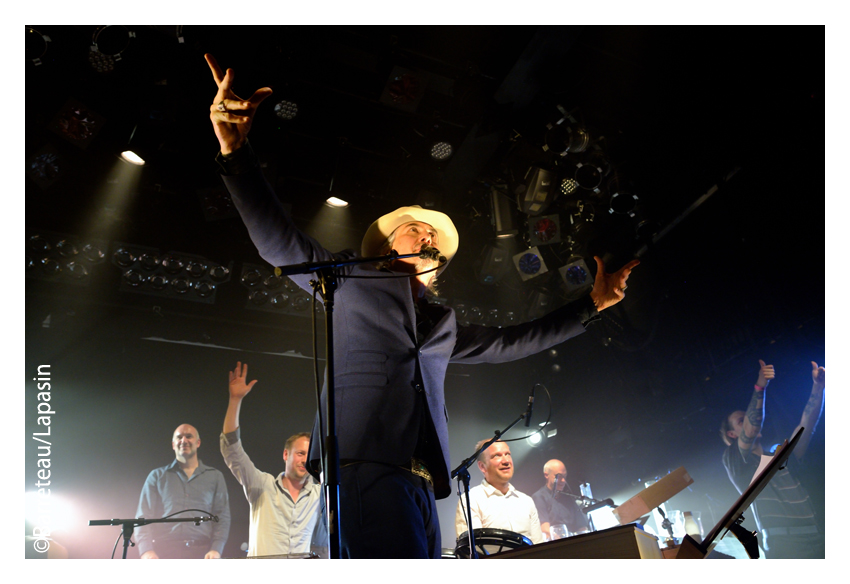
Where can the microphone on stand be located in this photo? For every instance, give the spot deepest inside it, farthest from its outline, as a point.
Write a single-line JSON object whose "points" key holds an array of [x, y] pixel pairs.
{"points": [[555, 491], [426, 252], [530, 407]]}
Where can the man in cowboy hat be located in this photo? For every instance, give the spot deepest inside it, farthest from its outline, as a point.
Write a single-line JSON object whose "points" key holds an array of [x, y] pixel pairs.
{"points": [[391, 347]]}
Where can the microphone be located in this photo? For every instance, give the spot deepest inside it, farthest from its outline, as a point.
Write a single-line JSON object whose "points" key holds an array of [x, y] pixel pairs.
{"points": [[426, 252], [530, 407]]}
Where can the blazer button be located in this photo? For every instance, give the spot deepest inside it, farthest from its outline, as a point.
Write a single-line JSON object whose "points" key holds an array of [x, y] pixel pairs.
{"points": [[417, 386]]}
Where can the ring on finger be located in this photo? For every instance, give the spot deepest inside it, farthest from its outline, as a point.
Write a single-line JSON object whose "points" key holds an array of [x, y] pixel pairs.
{"points": [[220, 107]]}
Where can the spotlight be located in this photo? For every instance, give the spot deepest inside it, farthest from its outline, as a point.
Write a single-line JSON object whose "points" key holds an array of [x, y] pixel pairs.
{"points": [[576, 278], [286, 110], [530, 264], [563, 139], [545, 230], [501, 215], [568, 186], [441, 151], [538, 192], [545, 432], [132, 158], [335, 202]]}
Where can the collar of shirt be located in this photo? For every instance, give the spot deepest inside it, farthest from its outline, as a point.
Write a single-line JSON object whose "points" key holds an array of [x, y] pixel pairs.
{"points": [[175, 467], [490, 490]]}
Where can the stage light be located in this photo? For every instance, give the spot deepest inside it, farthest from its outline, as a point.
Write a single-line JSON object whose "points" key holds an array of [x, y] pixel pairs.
{"points": [[132, 158], [77, 271], [36, 46], [623, 201], [286, 110], [544, 432], [58, 258], [196, 269], [545, 230], [158, 282], [76, 123], [148, 261], [252, 277], [492, 265], [172, 264], [335, 202], [107, 45], [272, 293], [172, 275], [576, 278], [538, 192], [530, 264], [563, 139], [568, 186], [501, 215], [441, 151], [134, 278]]}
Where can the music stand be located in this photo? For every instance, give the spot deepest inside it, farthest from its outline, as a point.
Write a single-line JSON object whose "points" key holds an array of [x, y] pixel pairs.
{"points": [[731, 521]]}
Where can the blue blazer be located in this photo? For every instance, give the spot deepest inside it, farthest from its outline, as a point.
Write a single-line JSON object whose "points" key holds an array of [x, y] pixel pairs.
{"points": [[380, 368]]}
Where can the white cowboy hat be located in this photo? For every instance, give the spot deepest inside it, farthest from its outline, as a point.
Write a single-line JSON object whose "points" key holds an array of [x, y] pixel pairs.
{"points": [[377, 234]]}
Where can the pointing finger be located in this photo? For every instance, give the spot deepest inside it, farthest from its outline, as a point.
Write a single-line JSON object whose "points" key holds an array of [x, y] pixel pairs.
{"points": [[216, 70]]}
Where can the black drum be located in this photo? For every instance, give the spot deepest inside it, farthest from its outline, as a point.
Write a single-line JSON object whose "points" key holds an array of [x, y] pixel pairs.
{"points": [[490, 541]]}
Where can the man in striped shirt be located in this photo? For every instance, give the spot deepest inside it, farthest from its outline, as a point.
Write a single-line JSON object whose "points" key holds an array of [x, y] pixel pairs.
{"points": [[783, 511]]}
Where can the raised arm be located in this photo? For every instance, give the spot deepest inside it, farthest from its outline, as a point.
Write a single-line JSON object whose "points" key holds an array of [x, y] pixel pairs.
{"points": [[238, 390], [754, 416], [231, 115], [812, 411]]}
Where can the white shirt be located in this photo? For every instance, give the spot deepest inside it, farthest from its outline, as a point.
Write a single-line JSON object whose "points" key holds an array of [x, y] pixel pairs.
{"points": [[279, 524], [512, 511]]}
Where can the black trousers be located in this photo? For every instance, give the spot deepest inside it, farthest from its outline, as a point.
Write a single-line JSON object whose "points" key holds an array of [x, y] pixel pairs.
{"points": [[387, 512]]}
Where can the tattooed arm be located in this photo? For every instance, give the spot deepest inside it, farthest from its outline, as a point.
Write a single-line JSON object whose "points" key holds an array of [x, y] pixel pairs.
{"points": [[754, 416], [812, 411]]}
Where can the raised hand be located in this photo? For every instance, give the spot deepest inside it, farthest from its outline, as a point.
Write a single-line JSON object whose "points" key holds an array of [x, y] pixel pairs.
{"points": [[766, 373], [230, 114], [238, 387], [818, 375], [609, 289]]}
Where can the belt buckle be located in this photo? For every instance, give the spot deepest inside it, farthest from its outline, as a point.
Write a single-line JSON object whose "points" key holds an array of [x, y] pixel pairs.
{"points": [[418, 468]]}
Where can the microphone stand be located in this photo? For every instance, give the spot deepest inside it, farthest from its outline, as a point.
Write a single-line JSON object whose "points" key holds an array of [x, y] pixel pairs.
{"points": [[128, 525], [326, 273], [462, 472]]}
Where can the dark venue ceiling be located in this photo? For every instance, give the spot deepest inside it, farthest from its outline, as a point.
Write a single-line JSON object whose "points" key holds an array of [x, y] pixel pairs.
{"points": [[662, 116]]}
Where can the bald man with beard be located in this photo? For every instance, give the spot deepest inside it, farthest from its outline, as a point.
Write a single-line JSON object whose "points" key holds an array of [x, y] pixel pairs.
{"points": [[186, 483]]}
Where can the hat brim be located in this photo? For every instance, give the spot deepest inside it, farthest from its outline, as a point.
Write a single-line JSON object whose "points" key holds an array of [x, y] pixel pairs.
{"points": [[380, 230]]}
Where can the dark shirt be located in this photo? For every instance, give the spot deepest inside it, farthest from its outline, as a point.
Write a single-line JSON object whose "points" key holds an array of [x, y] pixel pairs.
{"points": [[168, 490], [783, 502], [561, 509]]}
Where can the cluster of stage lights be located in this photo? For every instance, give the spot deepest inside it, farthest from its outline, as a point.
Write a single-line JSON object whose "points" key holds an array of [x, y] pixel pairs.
{"points": [[272, 293], [286, 110], [61, 258], [176, 275], [441, 151]]}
